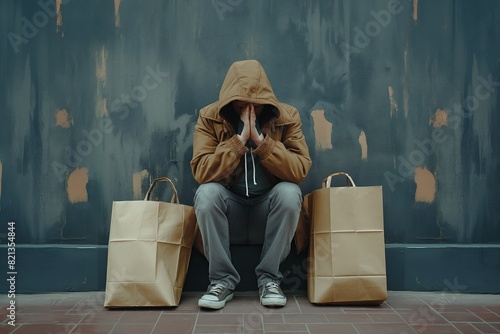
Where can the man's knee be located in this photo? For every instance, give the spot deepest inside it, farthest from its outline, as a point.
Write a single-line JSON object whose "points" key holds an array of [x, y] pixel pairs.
{"points": [[207, 195], [288, 191], [289, 194]]}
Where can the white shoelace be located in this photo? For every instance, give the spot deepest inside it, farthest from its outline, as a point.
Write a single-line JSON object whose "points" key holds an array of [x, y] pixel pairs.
{"points": [[216, 289], [273, 288]]}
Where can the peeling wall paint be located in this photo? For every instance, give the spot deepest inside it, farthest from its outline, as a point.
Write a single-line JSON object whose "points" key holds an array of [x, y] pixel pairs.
{"points": [[137, 180], [322, 130], [120, 92], [63, 119], [100, 71], [406, 92], [439, 119], [393, 103], [77, 185], [426, 185], [415, 10], [101, 76], [59, 20], [364, 145], [117, 13]]}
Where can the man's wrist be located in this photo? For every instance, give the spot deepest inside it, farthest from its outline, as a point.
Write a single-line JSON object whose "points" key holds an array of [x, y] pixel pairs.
{"points": [[240, 138], [259, 140]]}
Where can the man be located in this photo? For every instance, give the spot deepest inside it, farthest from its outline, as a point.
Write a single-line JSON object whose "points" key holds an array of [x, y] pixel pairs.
{"points": [[249, 153]]}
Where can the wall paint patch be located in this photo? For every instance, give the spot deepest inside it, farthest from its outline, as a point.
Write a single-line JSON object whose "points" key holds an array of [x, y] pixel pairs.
{"points": [[63, 119], [77, 185], [137, 179], [59, 21], [364, 145], [322, 130], [406, 91], [439, 119], [101, 75], [101, 59], [101, 107], [415, 10], [426, 185], [393, 103], [117, 13]]}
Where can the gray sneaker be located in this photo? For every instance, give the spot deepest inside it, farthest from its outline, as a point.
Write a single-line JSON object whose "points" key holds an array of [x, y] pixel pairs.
{"points": [[271, 295], [216, 297]]}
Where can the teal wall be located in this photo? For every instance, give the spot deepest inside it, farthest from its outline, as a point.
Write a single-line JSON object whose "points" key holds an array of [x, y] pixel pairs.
{"points": [[97, 97]]}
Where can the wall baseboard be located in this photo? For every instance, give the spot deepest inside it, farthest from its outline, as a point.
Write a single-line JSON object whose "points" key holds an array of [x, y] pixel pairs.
{"points": [[455, 268]]}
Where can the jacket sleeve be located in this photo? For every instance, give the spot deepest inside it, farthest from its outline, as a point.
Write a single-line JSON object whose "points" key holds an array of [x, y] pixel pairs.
{"points": [[288, 159], [214, 159]]}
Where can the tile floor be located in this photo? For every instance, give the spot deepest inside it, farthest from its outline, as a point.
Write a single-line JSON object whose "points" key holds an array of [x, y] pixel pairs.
{"points": [[402, 313]]}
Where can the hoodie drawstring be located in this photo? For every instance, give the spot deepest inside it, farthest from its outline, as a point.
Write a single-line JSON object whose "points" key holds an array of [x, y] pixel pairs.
{"points": [[246, 171], [253, 166]]}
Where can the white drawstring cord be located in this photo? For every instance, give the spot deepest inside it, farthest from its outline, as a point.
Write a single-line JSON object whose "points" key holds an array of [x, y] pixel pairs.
{"points": [[246, 173], [253, 165]]}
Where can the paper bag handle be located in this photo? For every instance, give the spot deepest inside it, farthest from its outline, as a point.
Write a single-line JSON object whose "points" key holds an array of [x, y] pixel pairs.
{"points": [[328, 179], [175, 197]]}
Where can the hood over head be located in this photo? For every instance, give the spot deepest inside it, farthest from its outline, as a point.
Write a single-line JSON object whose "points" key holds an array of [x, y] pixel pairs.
{"points": [[247, 81]]}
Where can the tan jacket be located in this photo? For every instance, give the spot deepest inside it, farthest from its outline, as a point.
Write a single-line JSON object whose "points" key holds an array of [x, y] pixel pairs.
{"points": [[217, 152]]}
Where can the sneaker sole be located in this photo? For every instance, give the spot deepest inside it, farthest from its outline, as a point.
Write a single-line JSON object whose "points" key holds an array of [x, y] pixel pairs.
{"points": [[273, 301], [215, 305]]}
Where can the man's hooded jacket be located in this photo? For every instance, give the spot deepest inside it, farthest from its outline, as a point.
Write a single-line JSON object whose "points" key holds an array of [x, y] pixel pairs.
{"points": [[219, 156]]}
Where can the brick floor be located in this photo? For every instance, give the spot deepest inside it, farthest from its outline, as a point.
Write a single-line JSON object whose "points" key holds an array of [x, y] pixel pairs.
{"points": [[402, 313]]}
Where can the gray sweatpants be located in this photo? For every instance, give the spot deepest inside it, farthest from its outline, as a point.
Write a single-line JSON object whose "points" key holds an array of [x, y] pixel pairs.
{"points": [[225, 218]]}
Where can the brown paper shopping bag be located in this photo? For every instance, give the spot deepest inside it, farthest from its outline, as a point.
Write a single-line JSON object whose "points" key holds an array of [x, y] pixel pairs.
{"points": [[346, 249], [301, 237], [149, 251]]}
